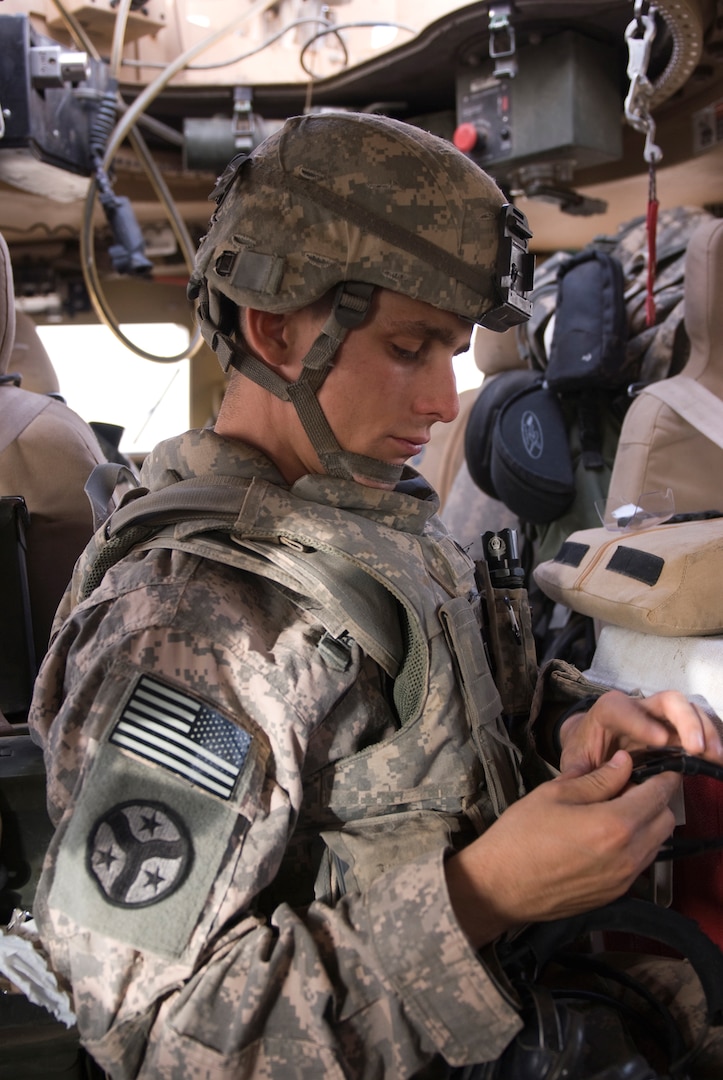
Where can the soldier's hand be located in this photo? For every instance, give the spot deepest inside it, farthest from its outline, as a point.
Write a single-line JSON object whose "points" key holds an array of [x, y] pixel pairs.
{"points": [[617, 721], [572, 844]]}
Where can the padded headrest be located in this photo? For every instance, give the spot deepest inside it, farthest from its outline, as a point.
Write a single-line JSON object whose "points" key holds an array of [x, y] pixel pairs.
{"points": [[7, 307], [21, 349], [30, 358], [703, 291], [495, 352]]}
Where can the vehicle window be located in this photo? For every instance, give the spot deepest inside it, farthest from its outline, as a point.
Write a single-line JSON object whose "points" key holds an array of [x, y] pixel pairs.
{"points": [[104, 381]]}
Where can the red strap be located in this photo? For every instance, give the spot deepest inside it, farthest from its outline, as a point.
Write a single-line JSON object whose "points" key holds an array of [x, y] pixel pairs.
{"points": [[652, 224]]}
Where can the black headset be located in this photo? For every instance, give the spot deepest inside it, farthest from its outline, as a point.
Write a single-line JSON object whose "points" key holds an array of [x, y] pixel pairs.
{"points": [[576, 1029], [561, 1040]]}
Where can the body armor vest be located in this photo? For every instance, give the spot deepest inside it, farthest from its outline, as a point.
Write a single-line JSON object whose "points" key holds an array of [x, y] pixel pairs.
{"points": [[449, 769]]}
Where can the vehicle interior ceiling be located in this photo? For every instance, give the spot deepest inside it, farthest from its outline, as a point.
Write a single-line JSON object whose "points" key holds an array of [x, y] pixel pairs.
{"points": [[575, 107]]}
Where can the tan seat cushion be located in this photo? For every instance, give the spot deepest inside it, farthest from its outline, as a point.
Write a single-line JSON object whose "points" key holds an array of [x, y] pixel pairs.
{"points": [[658, 448]]}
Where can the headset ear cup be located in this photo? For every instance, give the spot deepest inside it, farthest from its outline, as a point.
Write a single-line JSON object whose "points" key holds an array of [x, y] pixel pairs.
{"points": [[550, 1045], [624, 1038], [574, 1041]]}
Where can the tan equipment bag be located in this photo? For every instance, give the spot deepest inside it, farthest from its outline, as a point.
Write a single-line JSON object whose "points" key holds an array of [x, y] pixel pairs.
{"points": [[665, 580]]}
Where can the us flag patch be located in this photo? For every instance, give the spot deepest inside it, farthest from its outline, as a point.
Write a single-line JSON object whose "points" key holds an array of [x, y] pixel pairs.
{"points": [[183, 735]]}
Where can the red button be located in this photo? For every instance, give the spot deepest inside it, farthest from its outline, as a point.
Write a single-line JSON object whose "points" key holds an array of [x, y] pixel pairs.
{"points": [[465, 137]]}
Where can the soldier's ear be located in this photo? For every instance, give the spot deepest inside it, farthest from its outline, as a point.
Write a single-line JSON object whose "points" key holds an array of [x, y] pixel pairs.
{"points": [[282, 339], [266, 333]]}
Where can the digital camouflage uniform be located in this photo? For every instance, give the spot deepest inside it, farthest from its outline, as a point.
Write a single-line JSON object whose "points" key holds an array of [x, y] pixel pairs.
{"points": [[165, 900]]}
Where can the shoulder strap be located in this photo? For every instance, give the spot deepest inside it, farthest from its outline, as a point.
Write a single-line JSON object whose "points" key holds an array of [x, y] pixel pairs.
{"points": [[101, 485], [18, 408], [206, 517], [215, 496], [702, 409]]}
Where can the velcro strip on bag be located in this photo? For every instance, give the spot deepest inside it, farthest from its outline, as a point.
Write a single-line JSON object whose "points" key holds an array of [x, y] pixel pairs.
{"points": [[640, 565], [665, 580], [572, 554]]}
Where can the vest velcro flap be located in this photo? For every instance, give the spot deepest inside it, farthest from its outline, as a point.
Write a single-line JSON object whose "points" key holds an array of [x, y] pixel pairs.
{"points": [[666, 580]]}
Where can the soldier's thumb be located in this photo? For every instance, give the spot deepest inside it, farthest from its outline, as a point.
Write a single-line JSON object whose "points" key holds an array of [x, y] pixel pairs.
{"points": [[605, 782]]}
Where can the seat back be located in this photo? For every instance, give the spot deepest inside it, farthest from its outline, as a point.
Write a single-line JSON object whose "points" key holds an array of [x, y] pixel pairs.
{"points": [[34, 1044], [659, 448], [47, 453], [466, 510], [17, 650]]}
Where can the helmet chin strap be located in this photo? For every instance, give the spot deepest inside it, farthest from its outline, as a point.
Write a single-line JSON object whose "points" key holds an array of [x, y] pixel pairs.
{"points": [[350, 307]]}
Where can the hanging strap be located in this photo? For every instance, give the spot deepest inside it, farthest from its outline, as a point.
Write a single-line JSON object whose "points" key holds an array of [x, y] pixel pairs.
{"points": [[18, 408], [702, 409]]}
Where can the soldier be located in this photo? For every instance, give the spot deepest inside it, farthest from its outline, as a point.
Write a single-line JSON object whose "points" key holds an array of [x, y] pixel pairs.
{"points": [[289, 818]]}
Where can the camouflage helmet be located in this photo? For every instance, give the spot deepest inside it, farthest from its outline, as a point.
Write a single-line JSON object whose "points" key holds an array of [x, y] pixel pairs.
{"points": [[355, 201], [353, 197]]}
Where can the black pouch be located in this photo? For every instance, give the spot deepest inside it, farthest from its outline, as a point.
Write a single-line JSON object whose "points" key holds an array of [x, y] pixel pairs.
{"points": [[496, 391], [517, 447], [590, 332], [585, 1016], [531, 463]]}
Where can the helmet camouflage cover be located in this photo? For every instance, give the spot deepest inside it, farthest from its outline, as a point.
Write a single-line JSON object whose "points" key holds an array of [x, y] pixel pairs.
{"points": [[353, 197], [347, 197]]}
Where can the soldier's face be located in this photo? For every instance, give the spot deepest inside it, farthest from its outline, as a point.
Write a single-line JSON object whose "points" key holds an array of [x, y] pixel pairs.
{"points": [[393, 378]]}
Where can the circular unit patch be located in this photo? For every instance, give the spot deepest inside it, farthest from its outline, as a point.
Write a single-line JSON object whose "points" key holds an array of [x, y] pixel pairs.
{"points": [[139, 853]]}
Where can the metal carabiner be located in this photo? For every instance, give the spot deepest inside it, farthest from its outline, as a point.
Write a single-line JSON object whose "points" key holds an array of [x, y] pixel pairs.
{"points": [[639, 48], [639, 35]]}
